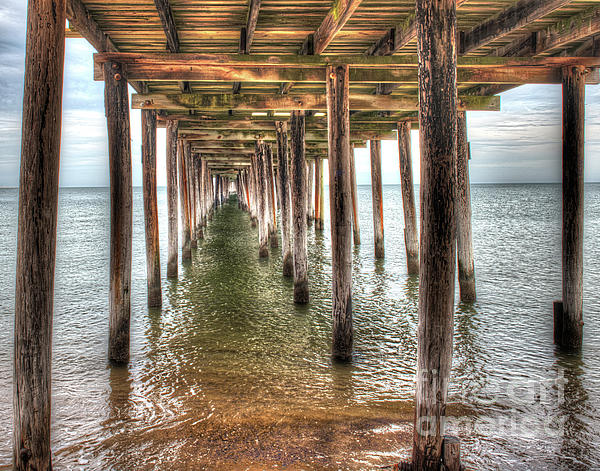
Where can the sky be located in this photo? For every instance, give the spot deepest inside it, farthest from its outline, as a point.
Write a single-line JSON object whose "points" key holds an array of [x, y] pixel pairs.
{"points": [[520, 143]]}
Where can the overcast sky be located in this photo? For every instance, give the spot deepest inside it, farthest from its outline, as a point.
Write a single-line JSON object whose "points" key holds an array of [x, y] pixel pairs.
{"points": [[522, 143]]}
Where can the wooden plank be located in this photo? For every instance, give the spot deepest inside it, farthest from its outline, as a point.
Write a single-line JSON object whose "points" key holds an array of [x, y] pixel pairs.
{"points": [[220, 102], [36, 236], [247, 34], [509, 20]]}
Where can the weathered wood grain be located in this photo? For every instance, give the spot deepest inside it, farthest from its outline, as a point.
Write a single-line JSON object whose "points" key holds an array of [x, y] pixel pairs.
{"points": [[36, 235], [338, 116]]}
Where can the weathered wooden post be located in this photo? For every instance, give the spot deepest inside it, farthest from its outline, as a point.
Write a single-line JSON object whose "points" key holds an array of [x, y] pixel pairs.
{"points": [[298, 194], [253, 192], [568, 315], [309, 191], [186, 251], [172, 198], [436, 45], [151, 207], [197, 173], [340, 189], [377, 192], [263, 206], [191, 197], [272, 199], [116, 102], [354, 194], [36, 239], [464, 232], [318, 190], [285, 202], [411, 236]]}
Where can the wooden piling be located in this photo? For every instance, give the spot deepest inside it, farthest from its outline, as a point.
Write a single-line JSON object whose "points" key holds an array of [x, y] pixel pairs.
{"points": [[377, 192], [298, 196], [151, 207], [272, 199], [197, 173], [116, 101], [464, 232], [309, 190], [436, 44], [354, 195], [411, 236], [190, 193], [186, 251], [172, 209], [572, 206], [36, 236], [318, 193], [283, 172], [263, 205], [340, 189]]}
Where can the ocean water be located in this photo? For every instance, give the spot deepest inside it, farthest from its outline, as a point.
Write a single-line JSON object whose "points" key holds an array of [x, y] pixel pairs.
{"points": [[230, 374]]}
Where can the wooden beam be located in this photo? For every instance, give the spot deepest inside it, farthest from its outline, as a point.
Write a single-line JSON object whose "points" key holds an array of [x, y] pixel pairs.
{"points": [[247, 34], [521, 74], [396, 38], [560, 34], [36, 236], [509, 20], [168, 23], [216, 102], [236, 135], [340, 13], [354, 61], [79, 17]]}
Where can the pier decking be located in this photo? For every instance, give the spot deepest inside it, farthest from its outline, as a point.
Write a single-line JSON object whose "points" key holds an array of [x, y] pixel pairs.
{"points": [[255, 95]]}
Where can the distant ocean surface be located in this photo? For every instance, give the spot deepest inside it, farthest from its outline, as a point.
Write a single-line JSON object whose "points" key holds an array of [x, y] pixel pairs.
{"points": [[230, 374]]}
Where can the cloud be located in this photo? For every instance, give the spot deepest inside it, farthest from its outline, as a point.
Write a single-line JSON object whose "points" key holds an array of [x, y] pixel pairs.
{"points": [[520, 143]]}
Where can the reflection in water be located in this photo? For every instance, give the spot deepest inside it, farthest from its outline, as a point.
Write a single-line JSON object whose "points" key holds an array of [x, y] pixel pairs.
{"points": [[574, 432], [231, 374]]}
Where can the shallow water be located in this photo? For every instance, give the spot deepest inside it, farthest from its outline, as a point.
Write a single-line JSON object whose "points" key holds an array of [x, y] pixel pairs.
{"points": [[230, 374]]}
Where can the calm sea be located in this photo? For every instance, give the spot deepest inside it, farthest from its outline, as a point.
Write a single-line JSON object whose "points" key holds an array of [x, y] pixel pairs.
{"points": [[230, 374]]}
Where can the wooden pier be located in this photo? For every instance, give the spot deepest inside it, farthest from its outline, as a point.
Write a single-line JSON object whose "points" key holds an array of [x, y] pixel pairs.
{"points": [[255, 97]]}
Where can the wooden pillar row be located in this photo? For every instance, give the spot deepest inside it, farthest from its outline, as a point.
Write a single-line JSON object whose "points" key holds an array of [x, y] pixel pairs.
{"points": [[568, 314], [186, 252], [298, 195], [464, 233], [36, 234], [172, 266], [436, 44], [377, 196], [340, 191], [151, 208], [283, 173], [411, 233]]}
